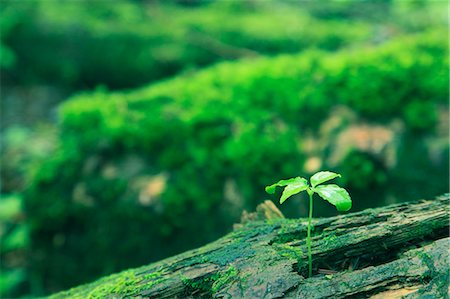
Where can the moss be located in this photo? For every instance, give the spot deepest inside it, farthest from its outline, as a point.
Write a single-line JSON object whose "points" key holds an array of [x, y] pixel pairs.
{"points": [[203, 284], [287, 251], [275, 221], [427, 260], [330, 239], [290, 230], [238, 248], [213, 283], [126, 283], [224, 278]]}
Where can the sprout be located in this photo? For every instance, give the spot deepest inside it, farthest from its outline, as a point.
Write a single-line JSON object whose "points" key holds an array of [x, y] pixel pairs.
{"points": [[332, 193]]}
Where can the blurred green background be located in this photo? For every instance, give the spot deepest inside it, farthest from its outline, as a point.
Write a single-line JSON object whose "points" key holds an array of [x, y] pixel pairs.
{"points": [[135, 131]]}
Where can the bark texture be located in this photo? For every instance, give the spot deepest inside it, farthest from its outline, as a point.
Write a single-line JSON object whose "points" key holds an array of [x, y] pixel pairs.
{"points": [[400, 251]]}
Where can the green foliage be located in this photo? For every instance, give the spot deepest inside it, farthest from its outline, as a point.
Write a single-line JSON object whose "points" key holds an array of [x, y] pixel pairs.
{"points": [[322, 176], [14, 242], [128, 43], [131, 43], [9, 207], [11, 279], [335, 195], [421, 115], [362, 171], [146, 167], [293, 186], [332, 193], [9, 19], [21, 147], [203, 146]]}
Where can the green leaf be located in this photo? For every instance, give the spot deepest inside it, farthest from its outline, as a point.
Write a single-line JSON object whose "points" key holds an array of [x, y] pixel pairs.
{"points": [[335, 195], [323, 176], [294, 188], [271, 189]]}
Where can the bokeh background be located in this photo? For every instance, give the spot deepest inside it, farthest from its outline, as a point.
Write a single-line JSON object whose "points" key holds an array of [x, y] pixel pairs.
{"points": [[135, 130]]}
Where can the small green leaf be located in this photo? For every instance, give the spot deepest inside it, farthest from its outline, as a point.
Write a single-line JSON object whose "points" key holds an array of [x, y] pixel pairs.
{"points": [[271, 189], [322, 176], [335, 195], [294, 188]]}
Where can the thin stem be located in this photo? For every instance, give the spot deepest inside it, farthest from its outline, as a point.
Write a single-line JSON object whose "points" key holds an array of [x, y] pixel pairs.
{"points": [[308, 238]]}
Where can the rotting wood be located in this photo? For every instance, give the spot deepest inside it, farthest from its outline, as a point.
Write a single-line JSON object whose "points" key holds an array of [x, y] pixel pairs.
{"points": [[396, 251]]}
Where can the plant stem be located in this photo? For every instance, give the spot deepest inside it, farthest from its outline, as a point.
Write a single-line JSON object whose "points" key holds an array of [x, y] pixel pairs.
{"points": [[308, 238]]}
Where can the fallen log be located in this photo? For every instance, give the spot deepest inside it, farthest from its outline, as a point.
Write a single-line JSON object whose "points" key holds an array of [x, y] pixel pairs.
{"points": [[399, 251]]}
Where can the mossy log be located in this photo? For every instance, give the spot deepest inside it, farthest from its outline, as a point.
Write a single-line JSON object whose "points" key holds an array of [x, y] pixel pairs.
{"points": [[400, 251]]}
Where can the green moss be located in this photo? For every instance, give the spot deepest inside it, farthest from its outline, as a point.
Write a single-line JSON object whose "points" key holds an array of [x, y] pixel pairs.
{"points": [[213, 283], [428, 260], [330, 238], [223, 278], [291, 252], [126, 283], [146, 47], [290, 230], [203, 284]]}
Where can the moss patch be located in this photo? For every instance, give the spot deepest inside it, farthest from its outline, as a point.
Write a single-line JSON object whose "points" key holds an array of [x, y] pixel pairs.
{"points": [[223, 278], [208, 285], [126, 283]]}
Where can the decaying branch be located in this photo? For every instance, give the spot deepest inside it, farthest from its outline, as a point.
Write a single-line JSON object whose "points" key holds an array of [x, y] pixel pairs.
{"points": [[391, 252]]}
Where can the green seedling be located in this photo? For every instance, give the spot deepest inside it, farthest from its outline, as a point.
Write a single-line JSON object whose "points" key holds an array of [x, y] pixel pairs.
{"points": [[332, 193]]}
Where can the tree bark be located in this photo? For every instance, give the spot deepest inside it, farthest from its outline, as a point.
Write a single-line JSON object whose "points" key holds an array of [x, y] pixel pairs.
{"points": [[399, 251]]}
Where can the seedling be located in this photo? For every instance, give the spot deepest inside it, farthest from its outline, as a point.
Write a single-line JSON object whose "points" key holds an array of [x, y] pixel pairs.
{"points": [[332, 193]]}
